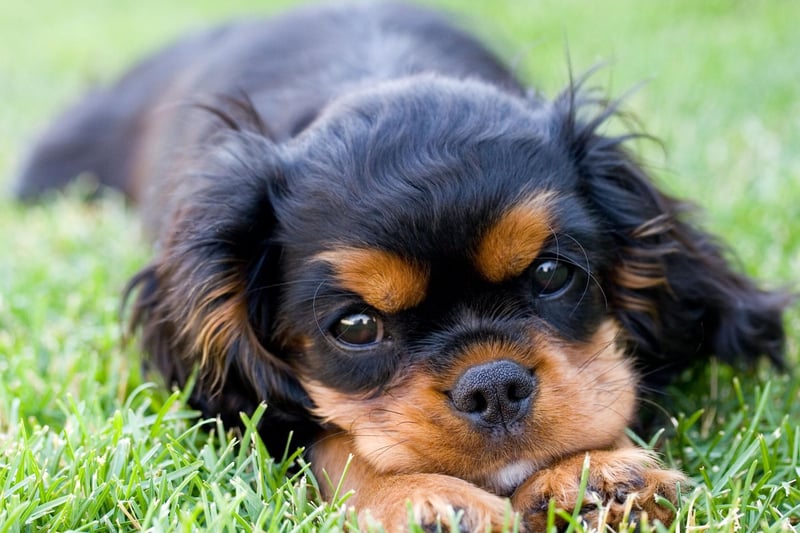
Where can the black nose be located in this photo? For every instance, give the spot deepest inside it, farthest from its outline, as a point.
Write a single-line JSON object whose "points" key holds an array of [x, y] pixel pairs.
{"points": [[496, 393]]}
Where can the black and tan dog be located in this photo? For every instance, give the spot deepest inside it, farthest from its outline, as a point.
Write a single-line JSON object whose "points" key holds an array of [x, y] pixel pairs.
{"points": [[363, 219]]}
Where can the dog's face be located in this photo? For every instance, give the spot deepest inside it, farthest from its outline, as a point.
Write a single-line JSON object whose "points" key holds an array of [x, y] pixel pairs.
{"points": [[442, 287], [461, 280]]}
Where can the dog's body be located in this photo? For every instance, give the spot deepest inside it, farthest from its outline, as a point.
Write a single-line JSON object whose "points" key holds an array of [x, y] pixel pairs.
{"points": [[362, 219]]}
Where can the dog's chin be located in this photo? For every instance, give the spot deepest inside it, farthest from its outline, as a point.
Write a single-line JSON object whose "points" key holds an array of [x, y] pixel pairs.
{"points": [[584, 400], [508, 478]]}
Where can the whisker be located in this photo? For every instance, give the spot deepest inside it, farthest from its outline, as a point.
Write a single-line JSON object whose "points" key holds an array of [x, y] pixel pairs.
{"points": [[280, 284], [657, 407], [587, 270], [316, 317]]}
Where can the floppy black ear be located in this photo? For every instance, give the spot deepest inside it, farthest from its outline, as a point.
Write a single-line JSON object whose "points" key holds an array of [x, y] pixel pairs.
{"points": [[672, 287], [206, 299]]}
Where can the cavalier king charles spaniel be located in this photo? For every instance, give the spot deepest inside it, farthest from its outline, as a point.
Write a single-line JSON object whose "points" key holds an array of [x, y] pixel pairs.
{"points": [[438, 281]]}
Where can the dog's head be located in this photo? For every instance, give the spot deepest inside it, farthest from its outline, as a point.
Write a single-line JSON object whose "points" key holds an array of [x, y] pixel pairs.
{"points": [[465, 281]]}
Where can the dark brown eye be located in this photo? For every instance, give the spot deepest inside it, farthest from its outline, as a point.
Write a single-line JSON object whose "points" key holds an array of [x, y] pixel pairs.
{"points": [[359, 330], [550, 276]]}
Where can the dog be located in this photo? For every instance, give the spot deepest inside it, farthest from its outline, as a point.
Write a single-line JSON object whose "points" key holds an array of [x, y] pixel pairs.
{"points": [[435, 278]]}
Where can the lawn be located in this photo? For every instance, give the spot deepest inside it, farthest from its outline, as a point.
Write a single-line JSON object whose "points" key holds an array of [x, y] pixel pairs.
{"points": [[87, 443]]}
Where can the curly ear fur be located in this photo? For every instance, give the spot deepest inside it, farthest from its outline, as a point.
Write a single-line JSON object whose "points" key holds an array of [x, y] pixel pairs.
{"points": [[672, 289], [205, 299]]}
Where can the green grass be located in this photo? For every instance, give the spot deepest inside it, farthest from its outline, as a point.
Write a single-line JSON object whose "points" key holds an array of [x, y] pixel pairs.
{"points": [[87, 444]]}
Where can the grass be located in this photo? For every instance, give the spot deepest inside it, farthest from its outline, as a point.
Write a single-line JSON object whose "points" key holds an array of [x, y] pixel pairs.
{"points": [[87, 444]]}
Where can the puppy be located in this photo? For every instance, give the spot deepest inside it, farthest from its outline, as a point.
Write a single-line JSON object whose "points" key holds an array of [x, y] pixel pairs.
{"points": [[364, 220]]}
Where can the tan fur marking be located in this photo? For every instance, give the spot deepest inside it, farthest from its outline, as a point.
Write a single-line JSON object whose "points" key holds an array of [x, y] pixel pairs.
{"points": [[589, 388], [514, 241], [635, 276], [481, 352], [381, 498], [640, 275], [621, 482], [383, 279], [214, 323], [217, 323]]}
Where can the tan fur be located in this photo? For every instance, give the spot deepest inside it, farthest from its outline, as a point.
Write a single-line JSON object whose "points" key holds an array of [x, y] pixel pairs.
{"points": [[512, 243], [214, 323], [382, 499], [218, 322], [622, 485], [642, 268], [639, 275], [383, 279], [585, 398], [488, 350]]}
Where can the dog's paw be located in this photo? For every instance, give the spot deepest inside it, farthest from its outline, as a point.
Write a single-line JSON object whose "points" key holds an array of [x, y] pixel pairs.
{"points": [[622, 485], [435, 502]]}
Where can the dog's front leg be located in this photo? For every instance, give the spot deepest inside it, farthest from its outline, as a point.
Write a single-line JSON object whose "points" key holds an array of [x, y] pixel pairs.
{"points": [[622, 483], [393, 500]]}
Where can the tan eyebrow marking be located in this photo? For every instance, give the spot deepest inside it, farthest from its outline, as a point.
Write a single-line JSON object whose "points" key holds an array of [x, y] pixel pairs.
{"points": [[511, 244], [385, 280]]}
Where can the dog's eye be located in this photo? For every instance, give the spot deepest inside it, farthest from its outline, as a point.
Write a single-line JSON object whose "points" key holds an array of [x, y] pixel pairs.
{"points": [[359, 330], [551, 276]]}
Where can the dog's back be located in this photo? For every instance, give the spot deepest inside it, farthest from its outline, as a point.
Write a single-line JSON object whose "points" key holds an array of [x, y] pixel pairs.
{"points": [[279, 73]]}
